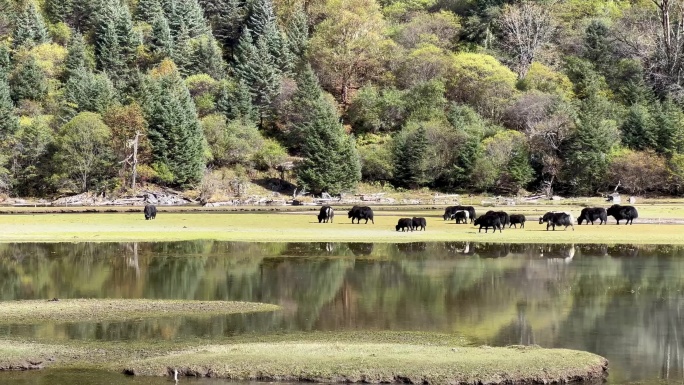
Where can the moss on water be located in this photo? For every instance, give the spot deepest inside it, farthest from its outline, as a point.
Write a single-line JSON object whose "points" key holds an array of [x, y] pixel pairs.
{"points": [[90, 310]]}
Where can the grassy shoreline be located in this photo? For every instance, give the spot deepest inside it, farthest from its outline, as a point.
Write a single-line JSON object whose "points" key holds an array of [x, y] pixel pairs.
{"points": [[321, 360], [97, 310], [303, 227]]}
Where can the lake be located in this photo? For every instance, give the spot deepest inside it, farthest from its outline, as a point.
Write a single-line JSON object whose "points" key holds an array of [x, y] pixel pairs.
{"points": [[620, 301]]}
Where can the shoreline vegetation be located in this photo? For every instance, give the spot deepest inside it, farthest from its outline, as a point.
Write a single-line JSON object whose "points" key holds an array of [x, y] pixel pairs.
{"points": [[657, 224]]}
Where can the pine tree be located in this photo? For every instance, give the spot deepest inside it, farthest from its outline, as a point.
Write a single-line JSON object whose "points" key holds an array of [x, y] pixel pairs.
{"points": [[182, 52], [59, 10], [207, 57], [116, 43], [262, 18], [227, 18], [161, 41], [638, 129], [234, 101], [5, 62], [303, 104], [189, 14], [298, 33], [148, 11], [76, 56], [28, 82], [30, 29], [254, 66], [86, 91], [8, 120], [409, 158], [174, 130], [330, 163]]}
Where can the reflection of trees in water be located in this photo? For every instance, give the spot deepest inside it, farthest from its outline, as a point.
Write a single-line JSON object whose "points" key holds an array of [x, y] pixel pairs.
{"points": [[360, 249], [620, 301]]}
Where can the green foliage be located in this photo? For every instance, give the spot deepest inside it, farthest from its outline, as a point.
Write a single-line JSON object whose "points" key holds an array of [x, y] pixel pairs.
{"points": [[638, 129], [30, 29], [234, 100], [376, 159], [269, 155], [31, 158], [589, 146], [482, 82], [227, 18], [207, 57], [377, 111], [86, 91], [331, 162], [5, 63], [175, 133], [161, 41], [8, 120], [504, 165], [410, 156], [28, 82], [76, 56], [232, 142], [58, 10], [254, 66], [84, 154]]}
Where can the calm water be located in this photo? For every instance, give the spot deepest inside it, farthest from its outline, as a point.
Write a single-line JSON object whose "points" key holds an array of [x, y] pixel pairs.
{"points": [[623, 302]]}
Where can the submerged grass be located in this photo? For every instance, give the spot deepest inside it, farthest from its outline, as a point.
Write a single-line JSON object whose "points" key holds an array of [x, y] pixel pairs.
{"points": [[376, 363], [90, 310], [303, 227]]}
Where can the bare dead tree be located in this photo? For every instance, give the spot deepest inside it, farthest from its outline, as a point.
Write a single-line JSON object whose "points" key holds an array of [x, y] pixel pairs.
{"points": [[526, 27], [656, 38]]}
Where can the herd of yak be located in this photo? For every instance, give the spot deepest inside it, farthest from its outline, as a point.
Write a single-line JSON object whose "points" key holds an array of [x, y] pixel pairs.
{"points": [[466, 214], [493, 219]]}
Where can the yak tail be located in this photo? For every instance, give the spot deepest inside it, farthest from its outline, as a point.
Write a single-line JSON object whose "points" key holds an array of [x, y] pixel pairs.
{"points": [[572, 219]]}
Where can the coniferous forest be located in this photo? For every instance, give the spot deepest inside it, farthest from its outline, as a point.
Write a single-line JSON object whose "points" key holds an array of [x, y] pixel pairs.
{"points": [[569, 97]]}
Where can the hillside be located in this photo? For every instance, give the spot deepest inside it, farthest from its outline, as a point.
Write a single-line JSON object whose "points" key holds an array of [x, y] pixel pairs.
{"points": [[573, 97]]}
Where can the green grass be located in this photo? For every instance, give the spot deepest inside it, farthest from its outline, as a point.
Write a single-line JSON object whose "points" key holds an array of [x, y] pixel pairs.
{"points": [[318, 356], [95, 310], [303, 227], [375, 362]]}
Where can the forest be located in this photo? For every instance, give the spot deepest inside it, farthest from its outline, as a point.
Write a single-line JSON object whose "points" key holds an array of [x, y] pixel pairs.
{"points": [[575, 97]]}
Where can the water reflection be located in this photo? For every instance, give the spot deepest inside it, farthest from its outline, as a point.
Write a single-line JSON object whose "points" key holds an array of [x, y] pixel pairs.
{"points": [[621, 301]]}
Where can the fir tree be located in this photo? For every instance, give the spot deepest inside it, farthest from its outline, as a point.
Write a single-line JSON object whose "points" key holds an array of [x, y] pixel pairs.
{"points": [[30, 29], [638, 129], [59, 10], [303, 103], [262, 18], [182, 52], [254, 66], [234, 101], [28, 82], [174, 130], [115, 44], [148, 11], [298, 33], [161, 41], [5, 62], [86, 91], [189, 14], [76, 56], [207, 57], [409, 158], [227, 18], [8, 120], [330, 163]]}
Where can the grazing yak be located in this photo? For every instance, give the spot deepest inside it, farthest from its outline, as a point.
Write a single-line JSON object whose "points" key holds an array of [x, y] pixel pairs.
{"points": [[326, 214], [623, 212], [487, 221], [503, 216], [361, 212], [592, 214], [405, 224], [419, 223], [517, 219], [450, 211], [150, 212], [555, 218], [461, 216]]}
